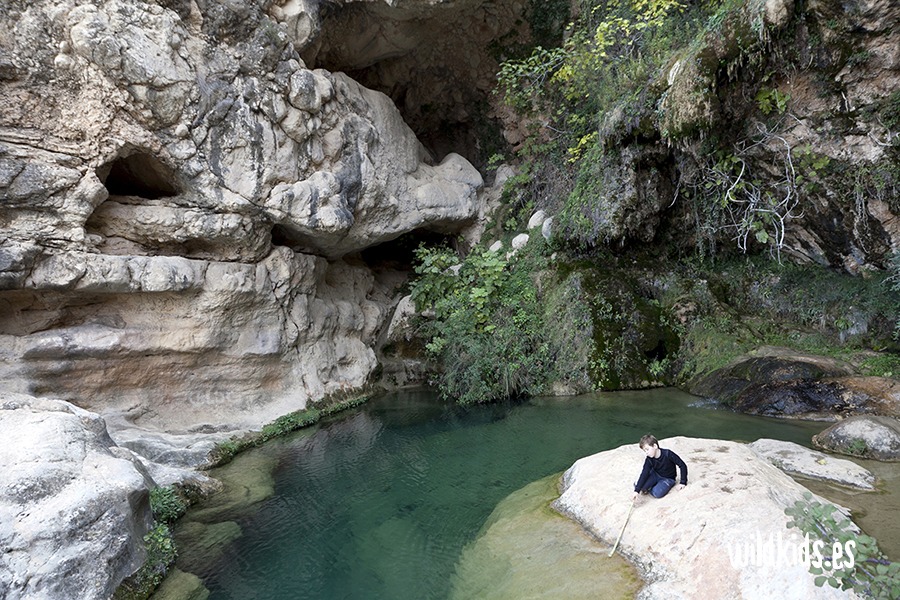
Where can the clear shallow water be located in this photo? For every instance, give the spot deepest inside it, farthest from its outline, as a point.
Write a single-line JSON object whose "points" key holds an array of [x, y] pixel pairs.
{"points": [[380, 504]]}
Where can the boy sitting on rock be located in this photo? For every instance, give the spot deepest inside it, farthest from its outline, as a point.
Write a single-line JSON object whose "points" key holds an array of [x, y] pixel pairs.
{"points": [[658, 474]]}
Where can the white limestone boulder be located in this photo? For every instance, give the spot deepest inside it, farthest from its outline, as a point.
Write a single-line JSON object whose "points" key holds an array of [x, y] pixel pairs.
{"points": [[537, 219], [866, 436], [74, 508], [691, 544], [547, 228], [399, 329], [520, 241]]}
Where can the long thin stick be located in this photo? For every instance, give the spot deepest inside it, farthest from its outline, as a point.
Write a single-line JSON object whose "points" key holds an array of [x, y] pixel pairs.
{"points": [[619, 539]]}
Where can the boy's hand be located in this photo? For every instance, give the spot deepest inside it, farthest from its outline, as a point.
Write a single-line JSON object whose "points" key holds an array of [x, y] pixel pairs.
{"points": [[679, 486]]}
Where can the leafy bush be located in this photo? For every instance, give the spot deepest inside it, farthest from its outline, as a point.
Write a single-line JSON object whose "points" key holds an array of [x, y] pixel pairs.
{"points": [[487, 328], [167, 504], [872, 575]]}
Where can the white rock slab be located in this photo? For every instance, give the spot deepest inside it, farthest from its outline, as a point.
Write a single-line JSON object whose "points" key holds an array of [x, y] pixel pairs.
{"points": [[689, 544], [794, 459]]}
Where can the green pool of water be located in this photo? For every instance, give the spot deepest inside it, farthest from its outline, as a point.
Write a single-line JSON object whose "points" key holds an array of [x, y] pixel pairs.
{"points": [[382, 503]]}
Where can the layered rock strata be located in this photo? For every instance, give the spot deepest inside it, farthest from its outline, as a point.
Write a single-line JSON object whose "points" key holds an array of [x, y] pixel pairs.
{"points": [[183, 207]]}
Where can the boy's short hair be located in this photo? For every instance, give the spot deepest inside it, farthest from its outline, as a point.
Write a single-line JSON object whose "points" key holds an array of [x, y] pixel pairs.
{"points": [[649, 440]]}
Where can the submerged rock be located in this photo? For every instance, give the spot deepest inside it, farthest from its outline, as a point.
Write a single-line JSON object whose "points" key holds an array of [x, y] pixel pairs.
{"points": [[179, 585], [696, 543], [865, 436], [527, 550], [794, 459]]}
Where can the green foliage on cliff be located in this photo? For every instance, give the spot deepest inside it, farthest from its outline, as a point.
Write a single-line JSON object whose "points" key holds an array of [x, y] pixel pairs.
{"points": [[486, 330], [701, 85], [504, 327], [602, 88], [614, 48], [893, 281], [732, 306]]}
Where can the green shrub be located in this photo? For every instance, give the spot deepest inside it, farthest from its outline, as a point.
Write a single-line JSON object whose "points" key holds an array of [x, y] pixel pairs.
{"points": [[487, 327], [872, 575], [167, 504], [161, 553]]}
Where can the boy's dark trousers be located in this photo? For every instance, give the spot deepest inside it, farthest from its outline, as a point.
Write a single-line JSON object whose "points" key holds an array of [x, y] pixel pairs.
{"points": [[658, 486]]}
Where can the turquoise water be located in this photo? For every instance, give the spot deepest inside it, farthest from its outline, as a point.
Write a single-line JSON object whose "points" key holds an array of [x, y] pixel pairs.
{"points": [[379, 504]]}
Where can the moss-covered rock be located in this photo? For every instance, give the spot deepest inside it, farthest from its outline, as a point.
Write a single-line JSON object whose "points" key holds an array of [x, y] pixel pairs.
{"points": [[620, 196], [778, 382], [179, 585], [866, 437], [613, 333]]}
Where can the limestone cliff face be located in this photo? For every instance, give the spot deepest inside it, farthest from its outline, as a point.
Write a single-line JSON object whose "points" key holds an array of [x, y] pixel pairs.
{"points": [[183, 203]]}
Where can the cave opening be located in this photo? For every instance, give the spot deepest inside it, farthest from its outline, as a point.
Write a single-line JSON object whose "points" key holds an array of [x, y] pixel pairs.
{"points": [[139, 174], [399, 254], [658, 353], [439, 62]]}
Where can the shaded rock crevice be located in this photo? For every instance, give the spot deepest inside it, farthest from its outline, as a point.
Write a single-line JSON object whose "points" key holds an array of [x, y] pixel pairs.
{"points": [[437, 62]]}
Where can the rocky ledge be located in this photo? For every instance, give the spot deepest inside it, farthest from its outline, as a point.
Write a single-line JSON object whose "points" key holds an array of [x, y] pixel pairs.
{"points": [[74, 505], [780, 382], [694, 543]]}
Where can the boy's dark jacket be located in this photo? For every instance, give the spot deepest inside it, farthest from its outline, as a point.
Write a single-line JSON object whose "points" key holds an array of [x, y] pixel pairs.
{"points": [[664, 467]]}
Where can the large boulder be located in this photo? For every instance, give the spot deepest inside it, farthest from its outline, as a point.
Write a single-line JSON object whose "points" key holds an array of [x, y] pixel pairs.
{"points": [[693, 543], [864, 436], [779, 382], [74, 508]]}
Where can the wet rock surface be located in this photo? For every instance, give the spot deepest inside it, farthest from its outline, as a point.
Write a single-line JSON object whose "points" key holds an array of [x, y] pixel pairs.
{"points": [[778, 382], [794, 459]]}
